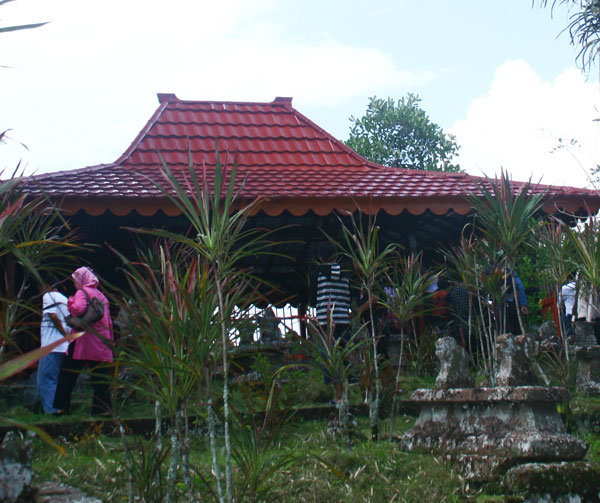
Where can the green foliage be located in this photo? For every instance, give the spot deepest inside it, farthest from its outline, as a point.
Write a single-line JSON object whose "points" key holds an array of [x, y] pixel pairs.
{"points": [[334, 356], [367, 472], [34, 241], [555, 262], [186, 297], [530, 272], [360, 244], [505, 217], [421, 358], [171, 313], [409, 284], [583, 28], [503, 228], [402, 135], [586, 252], [143, 459], [257, 448]]}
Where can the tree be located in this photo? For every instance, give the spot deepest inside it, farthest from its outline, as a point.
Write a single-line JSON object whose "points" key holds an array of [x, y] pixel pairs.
{"points": [[583, 28], [401, 135]]}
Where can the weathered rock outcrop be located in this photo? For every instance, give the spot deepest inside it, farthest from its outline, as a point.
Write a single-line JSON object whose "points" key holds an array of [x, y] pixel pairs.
{"points": [[500, 434], [15, 469], [454, 365]]}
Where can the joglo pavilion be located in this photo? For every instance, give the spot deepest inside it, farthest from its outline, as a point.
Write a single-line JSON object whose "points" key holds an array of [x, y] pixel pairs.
{"points": [[303, 177]]}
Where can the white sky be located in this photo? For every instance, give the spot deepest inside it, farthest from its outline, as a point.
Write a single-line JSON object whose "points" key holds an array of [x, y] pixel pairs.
{"points": [[494, 73]]}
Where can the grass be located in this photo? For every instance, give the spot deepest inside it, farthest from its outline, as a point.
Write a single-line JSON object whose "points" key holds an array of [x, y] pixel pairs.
{"points": [[374, 472], [325, 468], [367, 471]]}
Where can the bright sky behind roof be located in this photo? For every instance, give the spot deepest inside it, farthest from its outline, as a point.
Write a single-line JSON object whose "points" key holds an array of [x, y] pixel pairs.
{"points": [[497, 74]]}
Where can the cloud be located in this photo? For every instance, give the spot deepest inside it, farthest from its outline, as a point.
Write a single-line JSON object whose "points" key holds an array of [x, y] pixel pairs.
{"points": [[532, 127], [81, 88]]}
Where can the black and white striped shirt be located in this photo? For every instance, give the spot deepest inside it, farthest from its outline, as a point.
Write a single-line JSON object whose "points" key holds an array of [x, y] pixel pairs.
{"points": [[333, 295]]}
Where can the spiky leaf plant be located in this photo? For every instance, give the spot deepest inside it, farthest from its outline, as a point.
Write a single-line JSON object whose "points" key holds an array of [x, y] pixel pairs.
{"points": [[407, 298], [206, 285], [35, 242], [360, 245], [505, 220]]}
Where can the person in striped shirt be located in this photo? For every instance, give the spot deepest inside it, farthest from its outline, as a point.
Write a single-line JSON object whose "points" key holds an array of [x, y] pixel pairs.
{"points": [[331, 296], [332, 293]]}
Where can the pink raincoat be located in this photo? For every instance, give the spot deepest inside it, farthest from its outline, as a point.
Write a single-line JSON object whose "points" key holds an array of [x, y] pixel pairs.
{"points": [[91, 346]]}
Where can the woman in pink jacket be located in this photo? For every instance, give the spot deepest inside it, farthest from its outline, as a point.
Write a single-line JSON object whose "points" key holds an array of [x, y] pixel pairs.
{"points": [[92, 349]]}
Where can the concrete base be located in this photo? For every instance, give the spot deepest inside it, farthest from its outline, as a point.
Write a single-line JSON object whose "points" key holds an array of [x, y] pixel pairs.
{"points": [[488, 430], [565, 482], [588, 369]]}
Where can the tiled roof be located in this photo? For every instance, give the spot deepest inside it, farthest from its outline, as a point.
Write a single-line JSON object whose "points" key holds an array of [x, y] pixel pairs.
{"points": [[282, 157]]}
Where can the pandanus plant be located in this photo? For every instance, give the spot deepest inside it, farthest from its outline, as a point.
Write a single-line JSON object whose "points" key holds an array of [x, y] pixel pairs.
{"points": [[503, 226], [35, 242], [407, 296], [506, 221], [335, 357], [360, 245], [171, 310], [207, 299], [585, 243]]}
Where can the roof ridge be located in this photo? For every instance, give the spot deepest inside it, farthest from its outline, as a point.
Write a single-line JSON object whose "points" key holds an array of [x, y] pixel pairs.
{"points": [[56, 174], [330, 137], [166, 98], [142, 134]]}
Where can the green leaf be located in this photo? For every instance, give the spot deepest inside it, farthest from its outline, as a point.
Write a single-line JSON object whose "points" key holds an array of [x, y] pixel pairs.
{"points": [[20, 363]]}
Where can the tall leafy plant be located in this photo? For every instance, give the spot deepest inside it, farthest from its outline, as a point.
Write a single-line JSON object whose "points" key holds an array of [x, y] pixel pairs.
{"points": [[360, 244], [335, 357], [406, 300], [218, 243], [586, 254], [464, 270], [171, 309], [555, 258], [504, 224], [506, 220], [35, 241]]}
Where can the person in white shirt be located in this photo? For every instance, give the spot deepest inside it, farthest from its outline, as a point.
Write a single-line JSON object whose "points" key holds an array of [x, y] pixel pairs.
{"points": [[52, 328], [567, 303], [588, 308]]}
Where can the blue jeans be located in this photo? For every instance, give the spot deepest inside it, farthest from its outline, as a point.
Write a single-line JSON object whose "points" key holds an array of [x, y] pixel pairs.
{"points": [[47, 378]]}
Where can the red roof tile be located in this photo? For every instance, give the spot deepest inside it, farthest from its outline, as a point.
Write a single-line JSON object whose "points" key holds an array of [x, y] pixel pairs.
{"points": [[282, 157]]}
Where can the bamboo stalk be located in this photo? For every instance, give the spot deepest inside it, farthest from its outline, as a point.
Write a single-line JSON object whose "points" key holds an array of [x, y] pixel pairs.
{"points": [[224, 339], [213, 448], [374, 403], [129, 464], [185, 452], [174, 461]]}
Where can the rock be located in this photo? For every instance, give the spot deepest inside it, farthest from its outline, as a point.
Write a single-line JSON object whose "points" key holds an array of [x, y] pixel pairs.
{"points": [[515, 354], [588, 369], [15, 469], [55, 492], [488, 430], [481, 467], [454, 365], [548, 335], [567, 482], [246, 332], [583, 334], [268, 326]]}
